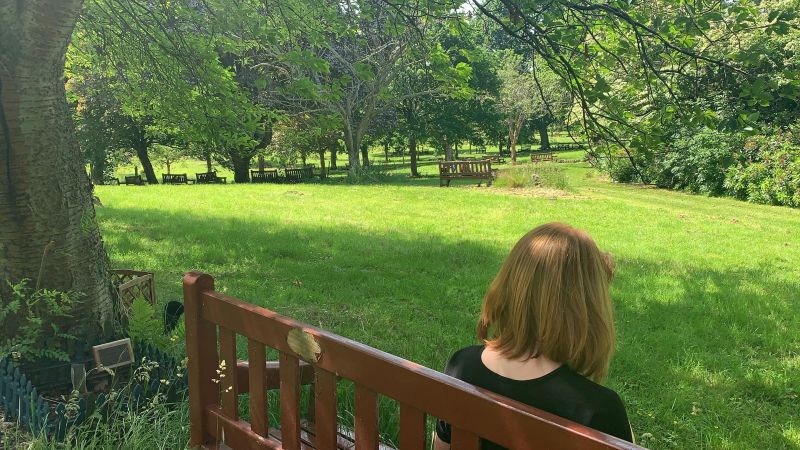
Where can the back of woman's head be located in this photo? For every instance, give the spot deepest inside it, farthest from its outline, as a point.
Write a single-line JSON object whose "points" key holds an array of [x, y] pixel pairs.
{"points": [[551, 298]]}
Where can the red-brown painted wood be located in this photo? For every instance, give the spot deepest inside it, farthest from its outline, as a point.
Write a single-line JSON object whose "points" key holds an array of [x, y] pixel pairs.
{"points": [[257, 386], [466, 440], [366, 419], [325, 410], [466, 407], [412, 428], [201, 351], [228, 382], [290, 401], [272, 372]]}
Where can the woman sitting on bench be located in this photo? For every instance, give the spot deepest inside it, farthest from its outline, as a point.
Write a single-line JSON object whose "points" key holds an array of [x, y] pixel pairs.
{"points": [[548, 329]]}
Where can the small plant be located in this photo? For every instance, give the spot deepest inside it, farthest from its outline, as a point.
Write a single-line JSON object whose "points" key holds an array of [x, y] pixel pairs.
{"points": [[143, 326], [33, 321]]}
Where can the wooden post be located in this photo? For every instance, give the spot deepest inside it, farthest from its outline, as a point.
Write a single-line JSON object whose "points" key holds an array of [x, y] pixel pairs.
{"points": [[201, 351]]}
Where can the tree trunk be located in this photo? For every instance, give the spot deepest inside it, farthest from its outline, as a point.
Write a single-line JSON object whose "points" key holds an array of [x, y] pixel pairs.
{"points": [[241, 168], [352, 142], [412, 150], [543, 137], [209, 168], [448, 149], [261, 163], [322, 164], [334, 149], [364, 154], [147, 166], [47, 217], [169, 171], [386, 151]]}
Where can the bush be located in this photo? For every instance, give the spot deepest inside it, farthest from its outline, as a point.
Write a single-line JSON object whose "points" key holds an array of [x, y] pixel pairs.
{"points": [[533, 175], [767, 171], [697, 160]]}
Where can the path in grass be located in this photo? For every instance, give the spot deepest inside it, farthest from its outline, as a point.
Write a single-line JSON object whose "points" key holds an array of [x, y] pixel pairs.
{"points": [[707, 290]]}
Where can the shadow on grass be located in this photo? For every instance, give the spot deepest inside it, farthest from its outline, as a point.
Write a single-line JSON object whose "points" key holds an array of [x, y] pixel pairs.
{"points": [[698, 348]]}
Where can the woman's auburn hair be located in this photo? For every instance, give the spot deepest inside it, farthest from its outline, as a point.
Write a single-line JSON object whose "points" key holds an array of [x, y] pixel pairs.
{"points": [[551, 297]]}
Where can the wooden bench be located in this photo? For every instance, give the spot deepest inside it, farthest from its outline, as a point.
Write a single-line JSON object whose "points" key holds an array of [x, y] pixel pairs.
{"points": [[497, 159], [264, 176], [542, 157], [210, 178], [568, 146], [465, 170], [175, 178], [134, 180], [308, 355], [294, 175]]}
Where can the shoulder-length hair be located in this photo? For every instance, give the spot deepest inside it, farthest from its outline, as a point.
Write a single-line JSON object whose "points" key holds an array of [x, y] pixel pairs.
{"points": [[551, 297]]}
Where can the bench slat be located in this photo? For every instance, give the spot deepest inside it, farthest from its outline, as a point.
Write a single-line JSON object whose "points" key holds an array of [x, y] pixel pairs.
{"points": [[290, 401], [325, 410], [256, 354], [412, 428], [366, 419], [235, 433], [464, 440], [228, 384]]}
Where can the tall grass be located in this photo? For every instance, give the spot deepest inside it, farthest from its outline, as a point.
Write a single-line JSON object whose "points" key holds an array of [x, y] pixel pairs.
{"points": [[542, 175]]}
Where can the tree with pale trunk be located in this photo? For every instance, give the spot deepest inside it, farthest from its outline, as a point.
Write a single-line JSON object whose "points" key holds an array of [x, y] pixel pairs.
{"points": [[48, 230]]}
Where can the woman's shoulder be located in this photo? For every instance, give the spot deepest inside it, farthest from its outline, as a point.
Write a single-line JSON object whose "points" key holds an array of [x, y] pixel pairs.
{"points": [[464, 361]]}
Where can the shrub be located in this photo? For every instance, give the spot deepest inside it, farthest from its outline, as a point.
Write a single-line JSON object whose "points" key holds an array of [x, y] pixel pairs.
{"points": [[767, 171], [533, 175], [145, 327], [32, 321], [696, 161]]}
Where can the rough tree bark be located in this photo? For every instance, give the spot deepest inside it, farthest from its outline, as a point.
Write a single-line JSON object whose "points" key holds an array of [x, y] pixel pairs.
{"points": [[321, 153], [334, 149], [448, 149], [241, 167], [47, 217]]}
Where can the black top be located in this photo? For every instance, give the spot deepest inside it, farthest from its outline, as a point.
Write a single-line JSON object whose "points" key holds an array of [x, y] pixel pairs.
{"points": [[562, 392]]}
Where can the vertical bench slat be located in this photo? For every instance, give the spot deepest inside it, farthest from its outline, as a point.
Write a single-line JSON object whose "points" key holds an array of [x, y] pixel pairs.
{"points": [[412, 428], [325, 410], [464, 440], [290, 401], [256, 354], [366, 419], [228, 384]]}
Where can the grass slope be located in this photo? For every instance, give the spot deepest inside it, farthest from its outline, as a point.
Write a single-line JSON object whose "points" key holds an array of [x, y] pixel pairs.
{"points": [[707, 291]]}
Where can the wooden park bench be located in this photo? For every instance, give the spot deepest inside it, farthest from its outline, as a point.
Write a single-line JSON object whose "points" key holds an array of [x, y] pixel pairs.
{"points": [[134, 180], [497, 159], [465, 170], [175, 178], [543, 156], [210, 178], [294, 175], [310, 356], [264, 176], [568, 146]]}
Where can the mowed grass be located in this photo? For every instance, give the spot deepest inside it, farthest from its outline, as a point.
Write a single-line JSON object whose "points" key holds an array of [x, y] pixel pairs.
{"points": [[707, 291]]}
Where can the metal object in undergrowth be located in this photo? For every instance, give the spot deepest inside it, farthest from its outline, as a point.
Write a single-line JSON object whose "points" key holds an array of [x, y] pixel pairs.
{"points": [[25, 405]]}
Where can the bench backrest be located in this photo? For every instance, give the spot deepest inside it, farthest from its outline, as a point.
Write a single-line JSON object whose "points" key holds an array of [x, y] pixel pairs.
{"points": [[206, 177], [482, 167], [213, 320], [133, 179], [174, 178], [294, 174], [264, 175]]}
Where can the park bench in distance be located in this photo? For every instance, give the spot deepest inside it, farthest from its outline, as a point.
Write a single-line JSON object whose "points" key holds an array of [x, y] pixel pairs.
{"points": [[210, 178], [175, 178], [134, 180], [312, 356], [264, 176], [298, 174], [465, 170]]}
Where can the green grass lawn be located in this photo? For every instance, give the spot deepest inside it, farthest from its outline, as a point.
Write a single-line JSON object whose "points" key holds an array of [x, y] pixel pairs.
{"points": [[707, 291]]}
